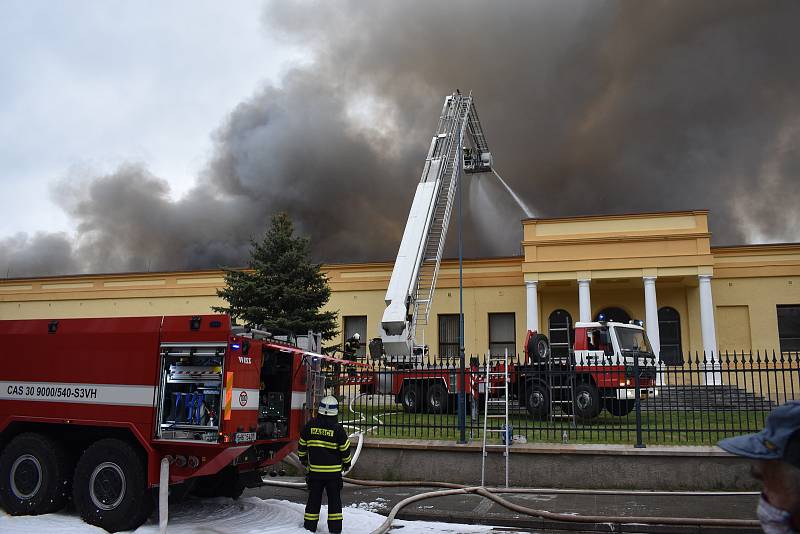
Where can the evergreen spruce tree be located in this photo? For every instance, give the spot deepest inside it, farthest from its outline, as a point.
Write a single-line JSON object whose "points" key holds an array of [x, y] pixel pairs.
{"points": [[283, 290]]}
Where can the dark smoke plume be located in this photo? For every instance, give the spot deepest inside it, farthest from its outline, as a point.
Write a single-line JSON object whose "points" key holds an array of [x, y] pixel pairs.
{"points": [[589, 107]]}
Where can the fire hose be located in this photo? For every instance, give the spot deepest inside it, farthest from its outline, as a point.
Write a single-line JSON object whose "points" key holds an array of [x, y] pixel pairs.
{"points": [[492, 494]]}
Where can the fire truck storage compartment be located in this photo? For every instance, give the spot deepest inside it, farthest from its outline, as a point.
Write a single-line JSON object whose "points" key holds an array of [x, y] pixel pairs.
{"points": [[275, 395], [191, 391]]}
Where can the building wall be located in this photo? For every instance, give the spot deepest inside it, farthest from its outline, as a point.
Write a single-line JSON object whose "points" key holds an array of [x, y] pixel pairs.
{"points": [[615, 252]]}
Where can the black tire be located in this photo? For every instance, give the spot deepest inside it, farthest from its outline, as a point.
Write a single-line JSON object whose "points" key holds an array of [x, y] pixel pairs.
{"points": [[110, 486], [619, 408], [35, 475], [437, 399], [537, 400], [587, 401], [411, 397], [538, 348]]}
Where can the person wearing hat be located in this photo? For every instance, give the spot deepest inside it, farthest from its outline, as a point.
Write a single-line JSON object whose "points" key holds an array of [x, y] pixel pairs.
{"points": [[776, 451], [324, 449]]}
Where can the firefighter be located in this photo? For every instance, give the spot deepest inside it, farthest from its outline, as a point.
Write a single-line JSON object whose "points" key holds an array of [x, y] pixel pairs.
{"points": [[324, 449], [351, 346]]}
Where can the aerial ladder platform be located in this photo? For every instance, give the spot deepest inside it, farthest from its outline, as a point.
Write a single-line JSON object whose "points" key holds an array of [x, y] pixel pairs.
{"points": [[411, 287]]}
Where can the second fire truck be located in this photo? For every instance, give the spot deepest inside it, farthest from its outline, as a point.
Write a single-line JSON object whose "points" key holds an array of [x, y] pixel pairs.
{"points": [[596, 373]]}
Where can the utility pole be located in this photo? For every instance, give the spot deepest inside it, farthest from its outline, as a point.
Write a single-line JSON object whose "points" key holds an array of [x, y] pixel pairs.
{"points": [[462, 420]]}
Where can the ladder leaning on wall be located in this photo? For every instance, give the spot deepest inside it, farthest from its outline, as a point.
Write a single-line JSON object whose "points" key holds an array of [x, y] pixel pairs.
{"points": [[495, 375]]}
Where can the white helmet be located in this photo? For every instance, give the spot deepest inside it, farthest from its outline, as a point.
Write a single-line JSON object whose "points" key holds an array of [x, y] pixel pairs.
{"points": [[357, 336], [329, 406]]}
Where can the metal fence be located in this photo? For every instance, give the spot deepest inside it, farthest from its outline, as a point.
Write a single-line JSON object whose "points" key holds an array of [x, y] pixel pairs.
{"points": [[588, 400]]}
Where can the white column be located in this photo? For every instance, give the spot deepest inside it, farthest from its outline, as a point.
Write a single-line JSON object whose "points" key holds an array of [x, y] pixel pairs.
{"points": [[651, 313], [712, 376], [584, 301], [532, 307], [651, 322]]}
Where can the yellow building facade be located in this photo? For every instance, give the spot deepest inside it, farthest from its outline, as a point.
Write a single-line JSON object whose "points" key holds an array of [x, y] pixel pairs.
{"points": [[659, 267]]}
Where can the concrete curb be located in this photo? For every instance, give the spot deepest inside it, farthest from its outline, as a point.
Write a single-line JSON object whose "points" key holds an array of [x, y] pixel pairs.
{"points": [[553, 448], [558, 466]]}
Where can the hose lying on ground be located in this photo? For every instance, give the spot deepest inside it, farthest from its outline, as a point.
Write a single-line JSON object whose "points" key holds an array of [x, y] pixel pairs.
{"points": [[491, 494]]}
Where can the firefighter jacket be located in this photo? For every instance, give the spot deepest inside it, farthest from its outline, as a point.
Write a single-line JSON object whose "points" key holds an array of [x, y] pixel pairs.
{"points": [[324, 447]]}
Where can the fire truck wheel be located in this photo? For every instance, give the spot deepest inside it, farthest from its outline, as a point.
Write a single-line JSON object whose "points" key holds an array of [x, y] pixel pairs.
{"points": [[619, 408], [587, 401], [35, 472], [437, 397], [537, 400], [110, 486], [538, 348], [411, 397]]}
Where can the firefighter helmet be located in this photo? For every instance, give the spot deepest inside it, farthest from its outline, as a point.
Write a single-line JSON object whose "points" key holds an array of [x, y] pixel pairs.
{"points": [[329, 406]]}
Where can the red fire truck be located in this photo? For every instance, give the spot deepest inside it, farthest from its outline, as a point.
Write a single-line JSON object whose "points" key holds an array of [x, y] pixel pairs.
{"points": [[90, 407], [596, 372]]}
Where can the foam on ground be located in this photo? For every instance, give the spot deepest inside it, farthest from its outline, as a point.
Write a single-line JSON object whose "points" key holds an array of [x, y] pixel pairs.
{"points": [[248, 515]]}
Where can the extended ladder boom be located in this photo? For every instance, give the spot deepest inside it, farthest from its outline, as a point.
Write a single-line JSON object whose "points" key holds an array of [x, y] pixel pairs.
{"points": [[410, 293]]}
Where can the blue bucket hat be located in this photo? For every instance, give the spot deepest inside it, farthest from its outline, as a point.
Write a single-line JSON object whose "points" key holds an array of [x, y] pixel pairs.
{"points": [[780, 439]]}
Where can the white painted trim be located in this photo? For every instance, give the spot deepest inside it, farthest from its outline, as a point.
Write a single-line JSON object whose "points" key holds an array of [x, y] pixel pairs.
{"points": [[78, 393]]}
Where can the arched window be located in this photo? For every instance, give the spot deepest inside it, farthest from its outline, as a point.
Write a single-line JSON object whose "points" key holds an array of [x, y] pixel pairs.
{"points": [[613, 313], [560, 333], [669, 333]]}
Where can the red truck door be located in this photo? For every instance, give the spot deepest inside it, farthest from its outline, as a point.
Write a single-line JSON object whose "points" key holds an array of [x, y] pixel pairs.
{"points": [[241, 391]]}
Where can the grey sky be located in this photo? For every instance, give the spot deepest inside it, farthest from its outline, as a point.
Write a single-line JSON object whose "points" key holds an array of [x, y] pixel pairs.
{"points": [[168, 133], [92, 84]]}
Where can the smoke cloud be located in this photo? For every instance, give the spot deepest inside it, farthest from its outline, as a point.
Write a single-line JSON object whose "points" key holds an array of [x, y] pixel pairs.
{"points": [[588, 107]]}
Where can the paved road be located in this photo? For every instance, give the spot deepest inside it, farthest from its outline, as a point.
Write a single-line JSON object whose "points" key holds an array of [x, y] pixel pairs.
{"points": [[474, 509]]}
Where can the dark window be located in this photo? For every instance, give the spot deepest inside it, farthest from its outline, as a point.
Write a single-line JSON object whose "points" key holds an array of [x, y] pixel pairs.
{"points": [[789, 327], [618, 315], [669, 334], [448, 335], [560, 333], [357, 324], [502, 334]]}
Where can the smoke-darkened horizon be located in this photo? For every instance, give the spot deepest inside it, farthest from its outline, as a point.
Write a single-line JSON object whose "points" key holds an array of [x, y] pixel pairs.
{"points": [[588, 107]]}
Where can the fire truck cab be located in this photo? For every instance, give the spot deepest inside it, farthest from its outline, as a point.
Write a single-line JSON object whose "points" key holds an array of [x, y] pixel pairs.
{"points": [[90, 407]]}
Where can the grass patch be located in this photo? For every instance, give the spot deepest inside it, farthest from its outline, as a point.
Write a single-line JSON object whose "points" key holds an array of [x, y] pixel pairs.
{"points": [[680, 427]]}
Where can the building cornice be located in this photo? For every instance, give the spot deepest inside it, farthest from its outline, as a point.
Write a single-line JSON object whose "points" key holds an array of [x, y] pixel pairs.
{"points": [[617, 216]]}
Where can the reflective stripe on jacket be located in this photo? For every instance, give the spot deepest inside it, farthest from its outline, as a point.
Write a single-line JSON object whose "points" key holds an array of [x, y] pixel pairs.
{"points": [[324, 446]]}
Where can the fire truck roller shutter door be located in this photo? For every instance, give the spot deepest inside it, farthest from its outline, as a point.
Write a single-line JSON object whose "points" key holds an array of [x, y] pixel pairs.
{"points": [[35, 475]]}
